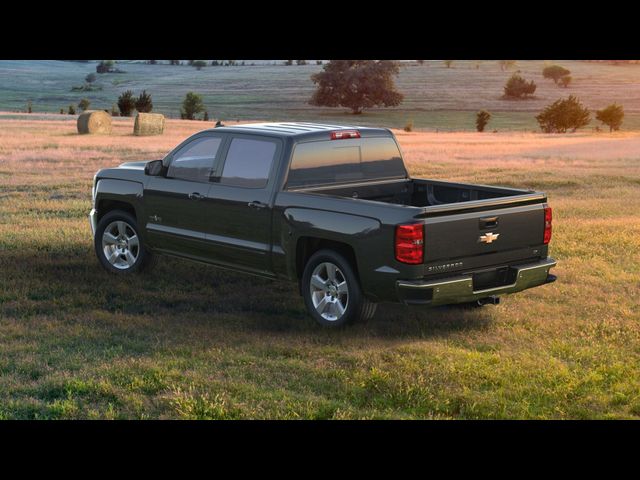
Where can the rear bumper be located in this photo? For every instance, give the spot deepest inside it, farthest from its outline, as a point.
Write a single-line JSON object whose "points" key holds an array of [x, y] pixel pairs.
{"points": [[460, 289], [93, 221]]}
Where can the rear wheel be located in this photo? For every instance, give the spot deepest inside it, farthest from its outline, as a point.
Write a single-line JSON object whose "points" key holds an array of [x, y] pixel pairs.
{"points": [[118, 244], [332, 292]]}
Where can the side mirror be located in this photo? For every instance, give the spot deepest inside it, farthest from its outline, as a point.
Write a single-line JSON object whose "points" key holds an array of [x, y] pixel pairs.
{"points": [[154, 168]]}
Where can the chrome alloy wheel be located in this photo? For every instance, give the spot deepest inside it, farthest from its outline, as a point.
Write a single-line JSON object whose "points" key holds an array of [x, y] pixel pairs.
{"points": [[120, 244], [329, 292]]}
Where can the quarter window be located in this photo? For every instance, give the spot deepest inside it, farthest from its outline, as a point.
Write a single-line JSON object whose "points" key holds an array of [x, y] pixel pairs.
{"points": [[195, 161], [248, 163]]}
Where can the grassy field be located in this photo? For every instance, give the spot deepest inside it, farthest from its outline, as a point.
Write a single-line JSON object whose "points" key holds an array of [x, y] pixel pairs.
{"points": [[435, 97], [191, 341]]}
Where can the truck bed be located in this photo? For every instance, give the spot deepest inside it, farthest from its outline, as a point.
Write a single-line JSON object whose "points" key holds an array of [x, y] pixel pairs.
{"points": [[456, 214], [426, 193]]}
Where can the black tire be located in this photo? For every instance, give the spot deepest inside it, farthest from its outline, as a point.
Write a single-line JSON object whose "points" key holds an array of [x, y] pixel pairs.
{"points": [[145, 260], [357, 307]]}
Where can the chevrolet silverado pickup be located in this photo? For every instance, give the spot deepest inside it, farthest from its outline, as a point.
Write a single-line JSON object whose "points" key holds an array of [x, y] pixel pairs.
{"points": [[329, 207]]}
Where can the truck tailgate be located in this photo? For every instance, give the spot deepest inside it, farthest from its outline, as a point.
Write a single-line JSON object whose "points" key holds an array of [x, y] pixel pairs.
{"points": [[476, 233]]}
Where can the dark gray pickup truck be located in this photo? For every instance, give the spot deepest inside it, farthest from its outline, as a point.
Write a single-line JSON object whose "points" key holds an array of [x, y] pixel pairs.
{"points": [[330, 207]]}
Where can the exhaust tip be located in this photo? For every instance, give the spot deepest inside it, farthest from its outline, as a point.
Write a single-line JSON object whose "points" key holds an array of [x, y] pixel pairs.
{"points": [[492, 300]]}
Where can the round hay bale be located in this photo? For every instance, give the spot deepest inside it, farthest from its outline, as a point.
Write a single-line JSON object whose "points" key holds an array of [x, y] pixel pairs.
{"points": [[94, 121], [148, 124]]}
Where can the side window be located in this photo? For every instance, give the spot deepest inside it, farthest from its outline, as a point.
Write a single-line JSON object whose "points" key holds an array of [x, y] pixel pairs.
{"points": [[248, 163], [195, 161]]}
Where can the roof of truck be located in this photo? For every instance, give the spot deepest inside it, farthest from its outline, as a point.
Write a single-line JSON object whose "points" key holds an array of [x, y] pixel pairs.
{"points": [[298, 129]]}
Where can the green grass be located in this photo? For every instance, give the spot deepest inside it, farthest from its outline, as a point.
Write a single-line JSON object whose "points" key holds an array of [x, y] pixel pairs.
{"points": [[192, 342]]}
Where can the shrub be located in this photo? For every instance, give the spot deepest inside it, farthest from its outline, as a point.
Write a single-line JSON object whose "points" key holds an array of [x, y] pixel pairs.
{"points": [[518, 88], [565, 81], [318, 62], [555, 72], [126, 103], [62, 111], [206, 116], [408, 127], [198, 64], [611, 116], [72, 110], [191, 106], [482, 118], [562, 115], [144, 103], [301, 62], [288, 62], [29, 105], [90, 78], [448, 63], [84, 104]]}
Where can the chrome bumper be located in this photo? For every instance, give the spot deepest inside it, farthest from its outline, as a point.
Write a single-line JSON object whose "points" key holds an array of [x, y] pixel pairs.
{"points": [[460, 289], [93, 220]]}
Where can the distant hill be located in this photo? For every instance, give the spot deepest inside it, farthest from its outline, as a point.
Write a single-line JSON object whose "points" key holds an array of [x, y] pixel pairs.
{"points": [[435, 96]]}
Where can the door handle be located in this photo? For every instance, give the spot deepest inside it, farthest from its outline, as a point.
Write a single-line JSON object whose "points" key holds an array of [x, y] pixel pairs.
{"points": [[256, 204], [195, 196], [488, 222]]}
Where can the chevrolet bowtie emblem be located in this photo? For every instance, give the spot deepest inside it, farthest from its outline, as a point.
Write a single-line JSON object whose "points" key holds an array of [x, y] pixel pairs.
{"points": [[488, 237]]}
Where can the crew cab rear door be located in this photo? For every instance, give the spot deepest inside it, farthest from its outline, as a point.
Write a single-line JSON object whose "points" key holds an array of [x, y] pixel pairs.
{"points": [[238, 206]]}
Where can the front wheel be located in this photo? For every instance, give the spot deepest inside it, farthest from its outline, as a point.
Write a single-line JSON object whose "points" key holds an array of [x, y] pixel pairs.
{"points": [[118, 244], [331, 291]]}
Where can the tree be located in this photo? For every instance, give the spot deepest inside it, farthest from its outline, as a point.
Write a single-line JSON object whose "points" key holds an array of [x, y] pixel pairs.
{"points": [[62, 111], [205, 116], [506, 64], [72, 110], [174, 62], [517, 87], [301, 62], [288, 62], [84, 104], [318, 62], [144, 103], [562, 115], [555, 72], [90, 78], [420, 62], [126, 103], [356, 84], [29, 106], [198, 64], [191, 106], [105, 66], [448, 63], [482, 118], [565, 81], [611, 116]]}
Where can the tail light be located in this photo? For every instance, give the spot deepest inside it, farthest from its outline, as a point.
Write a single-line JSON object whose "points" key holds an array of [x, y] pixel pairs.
{"points": [[548, 217], [409, 243], [342, 134]]}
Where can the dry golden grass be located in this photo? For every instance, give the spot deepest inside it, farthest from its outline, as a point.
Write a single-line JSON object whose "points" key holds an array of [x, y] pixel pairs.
{"points": [[190, 341]]}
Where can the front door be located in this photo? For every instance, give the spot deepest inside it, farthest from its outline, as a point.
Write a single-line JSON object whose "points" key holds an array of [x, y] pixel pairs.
{"points": [[174, 205], [239, 204]]}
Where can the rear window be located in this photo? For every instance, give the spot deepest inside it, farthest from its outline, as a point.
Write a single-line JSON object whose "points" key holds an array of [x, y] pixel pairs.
{"points": [[344, 161]]}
